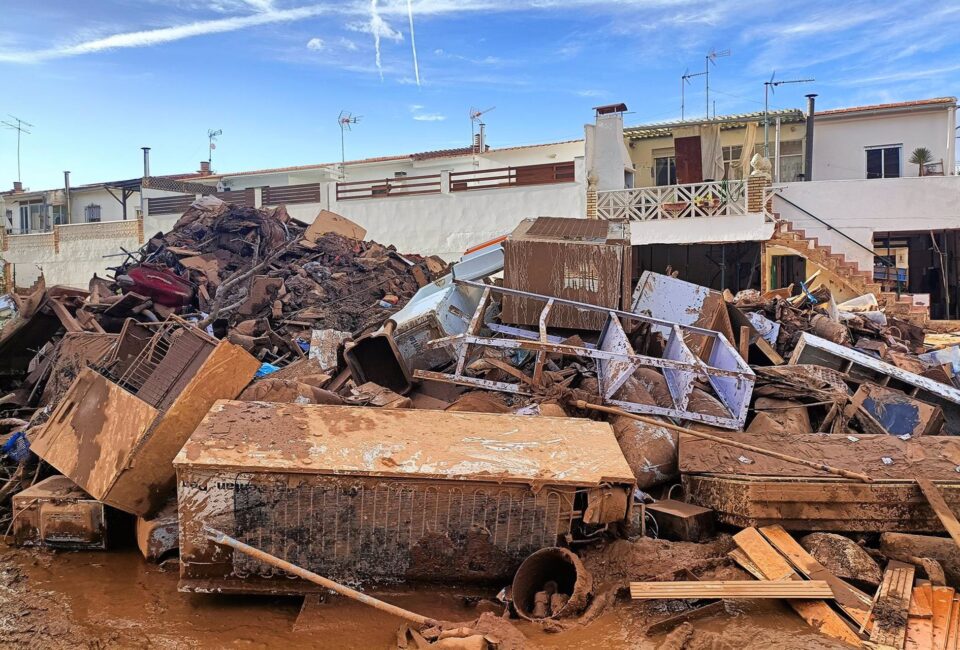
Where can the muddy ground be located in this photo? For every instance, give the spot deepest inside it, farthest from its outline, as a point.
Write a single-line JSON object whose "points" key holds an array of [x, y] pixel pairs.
{"points": [[116, 600]]}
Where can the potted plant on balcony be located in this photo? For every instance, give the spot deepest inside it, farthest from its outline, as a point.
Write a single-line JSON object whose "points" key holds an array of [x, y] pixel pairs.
{"points": [[920, 157], [708, 202]]}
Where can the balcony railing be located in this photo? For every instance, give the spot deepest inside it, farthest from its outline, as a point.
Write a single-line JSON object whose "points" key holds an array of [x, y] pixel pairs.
{"points": [[510, 176], [387, 187], [713, 199]]}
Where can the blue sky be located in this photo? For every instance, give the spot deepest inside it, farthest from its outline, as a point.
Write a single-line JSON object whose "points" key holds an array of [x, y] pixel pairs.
{"points": [[101, 78]]}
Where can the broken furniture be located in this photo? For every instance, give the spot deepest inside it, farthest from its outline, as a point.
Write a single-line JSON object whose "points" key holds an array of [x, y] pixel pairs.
{"points": [[860, 367], [118, 428], [57, 513], [579, 260], [680, 521], [357, 493], [438, 309], [726, 372], [884, 410]]}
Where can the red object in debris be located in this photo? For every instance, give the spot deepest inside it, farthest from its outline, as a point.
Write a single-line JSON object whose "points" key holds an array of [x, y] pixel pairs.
{"points": [[165, 287]]}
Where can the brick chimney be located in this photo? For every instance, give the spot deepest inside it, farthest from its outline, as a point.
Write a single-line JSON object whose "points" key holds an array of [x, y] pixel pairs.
{"points": [[205, 167], [17, 187]]}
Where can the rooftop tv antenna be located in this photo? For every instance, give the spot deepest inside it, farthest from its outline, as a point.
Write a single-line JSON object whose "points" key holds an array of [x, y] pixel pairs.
{"points": [[711, 58], [684, 80], [475, 121], [345, 120], [212, 139], [19, 127], [768, 89]]}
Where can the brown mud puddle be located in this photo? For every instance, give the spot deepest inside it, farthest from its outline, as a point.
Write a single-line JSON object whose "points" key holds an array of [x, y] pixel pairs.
{"points": [[116, 600]]}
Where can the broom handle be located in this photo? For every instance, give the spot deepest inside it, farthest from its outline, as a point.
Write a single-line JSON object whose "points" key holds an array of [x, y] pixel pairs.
{"points": [[845, 473], [221, 538]]}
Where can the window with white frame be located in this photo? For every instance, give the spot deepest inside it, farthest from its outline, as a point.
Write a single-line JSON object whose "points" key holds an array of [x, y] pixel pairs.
{"points": [[33, 217], [91, 213], [665, 170], [884, 161], [59, 214], [791, 160], [731, 162]]}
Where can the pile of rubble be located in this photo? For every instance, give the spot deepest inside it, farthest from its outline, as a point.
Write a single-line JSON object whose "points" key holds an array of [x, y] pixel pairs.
{"points": [[276, 400]]}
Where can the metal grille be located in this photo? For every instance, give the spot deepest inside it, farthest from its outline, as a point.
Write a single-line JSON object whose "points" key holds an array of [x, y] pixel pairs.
{"points": [[372, 529], [155, 374]]}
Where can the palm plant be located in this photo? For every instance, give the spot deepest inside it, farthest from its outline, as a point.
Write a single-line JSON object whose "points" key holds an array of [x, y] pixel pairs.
{"points": [[920, 157]]}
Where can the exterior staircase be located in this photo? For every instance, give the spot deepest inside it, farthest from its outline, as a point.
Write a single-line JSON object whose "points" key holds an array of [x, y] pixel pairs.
{"points": [[848, 272]]}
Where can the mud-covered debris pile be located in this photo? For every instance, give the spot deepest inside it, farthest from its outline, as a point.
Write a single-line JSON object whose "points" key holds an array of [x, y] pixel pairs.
{"points": [[259, 275]]}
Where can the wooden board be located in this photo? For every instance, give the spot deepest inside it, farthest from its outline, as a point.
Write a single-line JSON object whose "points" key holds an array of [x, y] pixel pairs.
{"points": [[953, 630], [816, 613], [921, 601], [744, 561], [940, 506], [851, 600], [93, 431], [735, 589], [890, 613], [942, 611], [933, 457], [819, 504]]}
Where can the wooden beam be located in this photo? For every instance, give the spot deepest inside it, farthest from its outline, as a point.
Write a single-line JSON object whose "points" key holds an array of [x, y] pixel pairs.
{"points": [[939, 505], [816, 613], [852, 601], [736, 589]]}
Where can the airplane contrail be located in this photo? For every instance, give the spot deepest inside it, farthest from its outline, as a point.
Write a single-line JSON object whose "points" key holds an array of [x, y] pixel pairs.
{"points": [[413, 43]]}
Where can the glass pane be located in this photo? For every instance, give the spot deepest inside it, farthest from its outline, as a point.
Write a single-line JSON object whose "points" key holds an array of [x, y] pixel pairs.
{"points": [[665, 171], [874, 163], [791, 167], [891, 162], [789, 147]]}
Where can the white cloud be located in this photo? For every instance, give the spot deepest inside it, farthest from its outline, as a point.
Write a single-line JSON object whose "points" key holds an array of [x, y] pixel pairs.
{"points": [[347, 44], [316, 44], [591, 93], [162, 35], [430, 117], [415, 107]]}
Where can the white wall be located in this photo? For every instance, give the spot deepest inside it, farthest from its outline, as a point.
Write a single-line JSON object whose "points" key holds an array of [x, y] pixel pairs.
{"points": [[700, 230], [78, 255], [110, 208], [448, 224], [839, 143], [859, 208]]}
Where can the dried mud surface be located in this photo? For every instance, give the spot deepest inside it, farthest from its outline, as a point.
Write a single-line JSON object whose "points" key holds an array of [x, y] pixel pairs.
{"points": [[116, 600]]}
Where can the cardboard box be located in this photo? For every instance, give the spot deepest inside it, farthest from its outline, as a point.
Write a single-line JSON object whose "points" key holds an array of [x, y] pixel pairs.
{"points": [[57, 513], [116, 438], [585, 260], [355, 493]]}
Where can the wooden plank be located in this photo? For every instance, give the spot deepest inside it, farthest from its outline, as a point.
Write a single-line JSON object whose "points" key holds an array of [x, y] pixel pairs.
{"points": [[953, 630], [851, 600], [942, 610], [819, 504], [816, 613], [940, 506], [932, 457], [739, 589], [744, 561], [921, 601], [890, 614]]}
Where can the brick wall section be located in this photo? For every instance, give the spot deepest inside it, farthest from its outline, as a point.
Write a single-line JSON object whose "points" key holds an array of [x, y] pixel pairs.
{"points": [[756, 184]]}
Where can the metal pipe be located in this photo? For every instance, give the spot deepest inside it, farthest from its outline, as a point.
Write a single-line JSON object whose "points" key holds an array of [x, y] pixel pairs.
{"points": [[66, 195], [808, 154], [146, 161], [845, 473], [221, 538]]}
